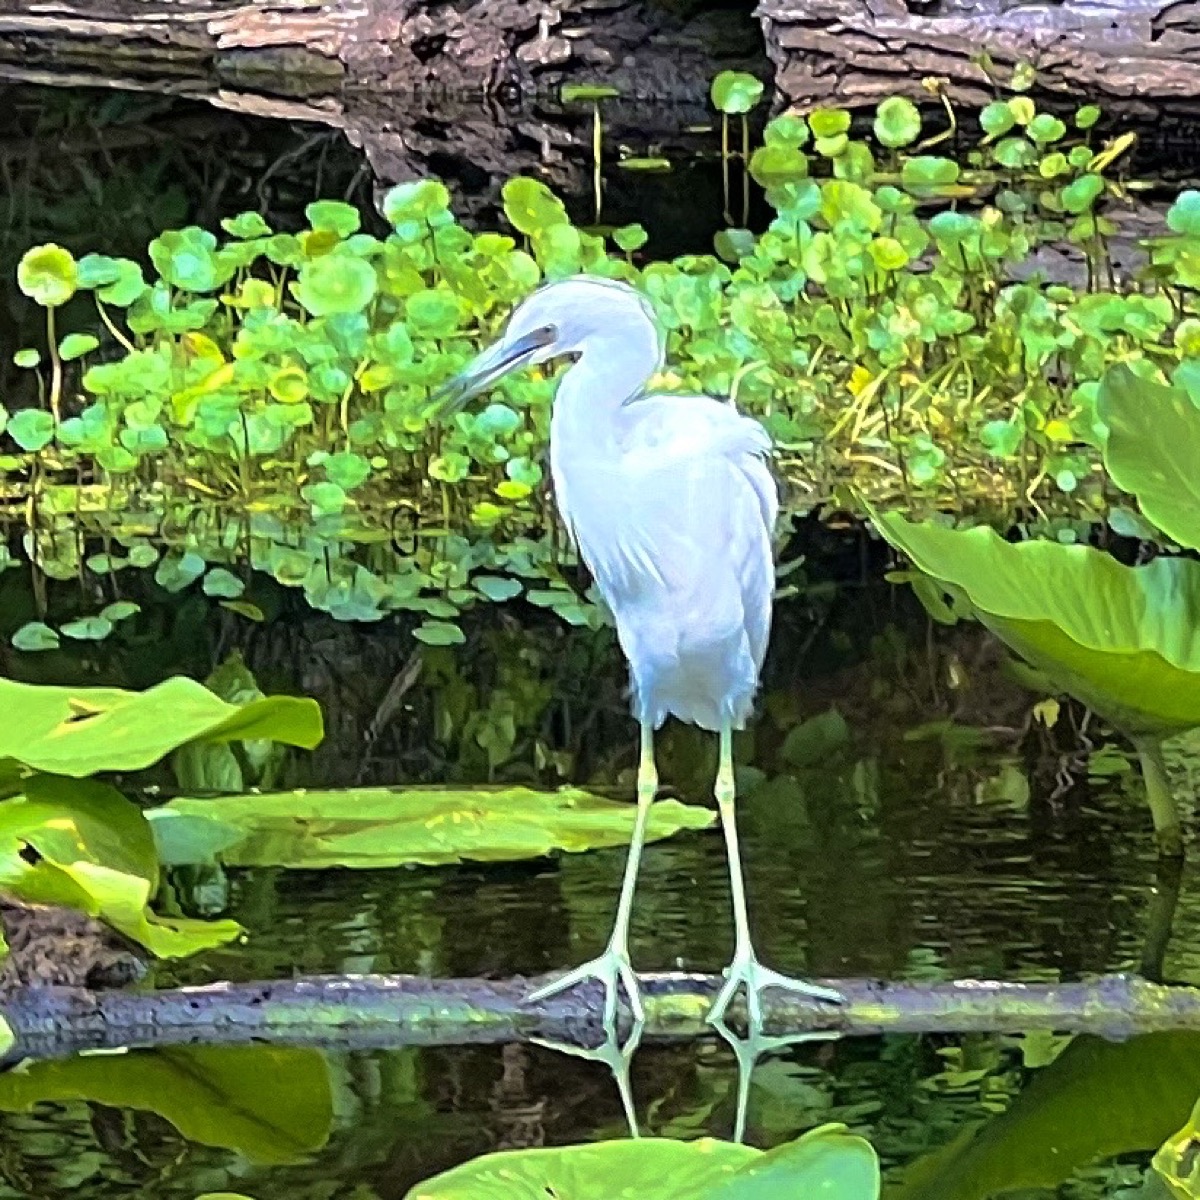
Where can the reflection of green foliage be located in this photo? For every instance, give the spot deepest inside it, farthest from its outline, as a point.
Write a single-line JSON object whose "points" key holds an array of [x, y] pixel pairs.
{"points": [[1096, 1100], [271, 1104], [1124, 640], [385, 827], [276, 385], [829, 1161]]}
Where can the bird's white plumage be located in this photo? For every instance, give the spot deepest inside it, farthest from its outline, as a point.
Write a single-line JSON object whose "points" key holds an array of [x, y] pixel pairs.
{"points": [[671, 503]]}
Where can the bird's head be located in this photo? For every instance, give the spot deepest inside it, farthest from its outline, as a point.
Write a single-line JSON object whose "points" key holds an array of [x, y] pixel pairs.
{"points": [[556, 321]]}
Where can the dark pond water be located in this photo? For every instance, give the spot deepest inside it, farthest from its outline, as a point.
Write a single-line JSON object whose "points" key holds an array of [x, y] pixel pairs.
{"points": [[899, 852]]}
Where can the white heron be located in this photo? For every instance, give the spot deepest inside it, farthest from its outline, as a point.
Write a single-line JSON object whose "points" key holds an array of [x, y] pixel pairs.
{"points": [[671, 505]]}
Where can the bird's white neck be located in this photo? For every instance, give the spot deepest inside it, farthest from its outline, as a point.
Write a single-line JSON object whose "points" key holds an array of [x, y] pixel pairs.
{"points": [[587, 407]]}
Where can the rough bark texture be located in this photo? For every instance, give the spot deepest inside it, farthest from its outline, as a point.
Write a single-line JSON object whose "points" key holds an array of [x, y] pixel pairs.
{"points": [[59, 947], [321, 47], [360, 1011], [1144, 54]]}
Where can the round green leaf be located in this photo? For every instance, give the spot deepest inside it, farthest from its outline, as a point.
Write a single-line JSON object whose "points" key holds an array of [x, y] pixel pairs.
{"points": [[34, 636], [888, 254], [432, 312], [334, 216], [1184, 215], [897, 122], [335, 284], [29, 358], [417, 200], [735, 92], [87, 629], [531, 206], [1046, 128], [48, 275], [246, 225], [1080, 195], [31, 428], [120, 610], [223, 584], [997, 118], [630, 237], [829, 122], [187, 259], [439, 633], [76, 345], [1087, 116], [928, 170]]}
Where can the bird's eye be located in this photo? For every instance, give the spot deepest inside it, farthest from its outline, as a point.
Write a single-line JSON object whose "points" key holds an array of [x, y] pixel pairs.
{"points": [[548, 334]]}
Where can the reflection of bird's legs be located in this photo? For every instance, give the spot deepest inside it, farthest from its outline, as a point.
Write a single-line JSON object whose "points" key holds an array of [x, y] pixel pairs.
{"points": [[616, 1057], [745, 968], [613, 967], [748, 1051]]}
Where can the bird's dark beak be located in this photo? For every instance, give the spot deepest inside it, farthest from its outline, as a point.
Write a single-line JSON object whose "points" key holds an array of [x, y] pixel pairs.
{"points": [[485, 369]]}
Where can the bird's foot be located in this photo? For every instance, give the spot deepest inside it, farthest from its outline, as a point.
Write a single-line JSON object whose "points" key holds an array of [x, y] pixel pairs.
{"points": [[613, 969], [746, 971]]}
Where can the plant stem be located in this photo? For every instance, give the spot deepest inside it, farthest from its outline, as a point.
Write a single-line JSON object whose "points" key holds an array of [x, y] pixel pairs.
{"points": [[1163, 809], [597, 141], [55, 367], [725, 166]]}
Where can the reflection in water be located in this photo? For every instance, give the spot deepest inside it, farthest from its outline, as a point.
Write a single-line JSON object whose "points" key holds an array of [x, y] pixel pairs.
{"points": [[893, 878]]}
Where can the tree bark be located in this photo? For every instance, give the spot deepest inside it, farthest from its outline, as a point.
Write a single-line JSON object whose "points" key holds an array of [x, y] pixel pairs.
{"points": [[1141, 56], [315, 48], [367, 1011]]}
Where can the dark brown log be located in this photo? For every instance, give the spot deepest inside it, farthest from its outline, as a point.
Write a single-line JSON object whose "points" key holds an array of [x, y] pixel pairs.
{"points": [[1142, 56], [396, 1010], [309, 48]]}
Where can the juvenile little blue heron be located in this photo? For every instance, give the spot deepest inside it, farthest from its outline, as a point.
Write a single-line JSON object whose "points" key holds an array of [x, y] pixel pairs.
{"points": [[671, 504]]}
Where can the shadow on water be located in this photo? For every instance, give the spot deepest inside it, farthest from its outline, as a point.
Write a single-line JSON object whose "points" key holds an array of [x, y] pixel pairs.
{"points": [[903, 842]]}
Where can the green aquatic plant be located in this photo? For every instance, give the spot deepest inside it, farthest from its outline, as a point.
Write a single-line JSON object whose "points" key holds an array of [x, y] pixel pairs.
{"points": [[388, 827], [71, 840], [1124, 640], [258, 405], [829, 1161]]}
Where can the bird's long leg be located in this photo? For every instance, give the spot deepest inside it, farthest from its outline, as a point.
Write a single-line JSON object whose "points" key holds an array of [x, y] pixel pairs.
{"points": [[745, 968], [613, 967]]}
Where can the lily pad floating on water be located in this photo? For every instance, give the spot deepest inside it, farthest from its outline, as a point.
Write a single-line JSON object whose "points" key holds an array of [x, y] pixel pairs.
{"points": [[80, 731], [829, 1162], [384, 827], [1124, 640]]}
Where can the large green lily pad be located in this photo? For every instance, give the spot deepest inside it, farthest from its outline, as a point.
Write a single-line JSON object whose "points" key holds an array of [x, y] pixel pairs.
{"points": [[1153, 450], [1124, 640], [384, 827], [274, 1104], [81, 731], [829, 1162], [81, 844]]}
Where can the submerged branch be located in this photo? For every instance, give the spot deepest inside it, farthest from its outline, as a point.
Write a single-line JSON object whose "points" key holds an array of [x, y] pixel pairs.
{"points": [[397, 1010]]}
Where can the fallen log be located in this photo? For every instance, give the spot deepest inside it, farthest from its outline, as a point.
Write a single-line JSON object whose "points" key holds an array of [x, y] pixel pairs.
{"points": [[1138, 57], [405, 1010]]}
